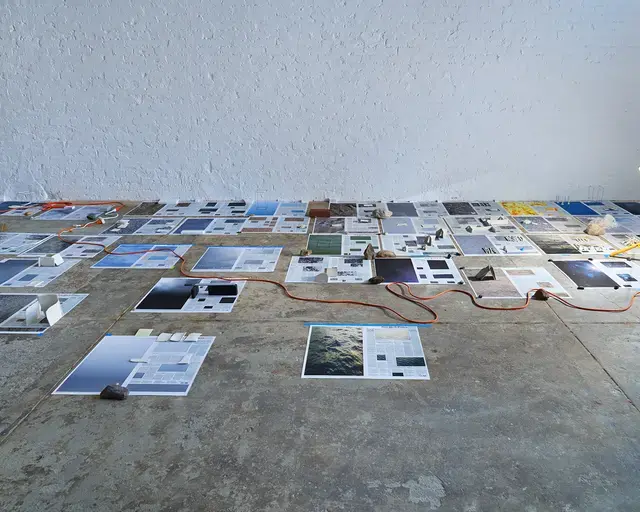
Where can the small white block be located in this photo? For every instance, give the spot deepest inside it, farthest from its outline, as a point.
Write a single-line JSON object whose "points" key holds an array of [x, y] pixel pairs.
{"points": [[144, 332], [194, 336], [179, 336], [51, 261], [164, 336]]}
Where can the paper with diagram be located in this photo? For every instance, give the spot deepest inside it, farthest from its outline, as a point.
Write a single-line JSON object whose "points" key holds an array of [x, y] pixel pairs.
{"points": [[191, 295], [364, 351], [143, 256], [307, 269], [142, 364], [23, 272], [418, 270], [238, 259]]}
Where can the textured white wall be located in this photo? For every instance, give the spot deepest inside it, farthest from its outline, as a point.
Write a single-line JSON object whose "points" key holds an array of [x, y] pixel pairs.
{"points": [[311, 98]]}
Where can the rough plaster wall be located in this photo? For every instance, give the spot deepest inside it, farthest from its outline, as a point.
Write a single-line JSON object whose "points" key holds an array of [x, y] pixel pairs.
{"points": [[302, 99]]}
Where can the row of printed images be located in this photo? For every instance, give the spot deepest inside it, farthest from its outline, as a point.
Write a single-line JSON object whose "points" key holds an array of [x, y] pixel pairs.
{"points": [[167, 364], [469, 245], [327, 209], [460, 225], [19, 314], [158, 209], [334, 258]]}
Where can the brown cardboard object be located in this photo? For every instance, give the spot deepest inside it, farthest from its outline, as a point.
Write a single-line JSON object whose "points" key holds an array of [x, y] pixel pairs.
{"points": [[318, 209]]}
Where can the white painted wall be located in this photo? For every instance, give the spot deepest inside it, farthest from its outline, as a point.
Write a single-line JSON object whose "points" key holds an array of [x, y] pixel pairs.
{"points": [[302, 99]]}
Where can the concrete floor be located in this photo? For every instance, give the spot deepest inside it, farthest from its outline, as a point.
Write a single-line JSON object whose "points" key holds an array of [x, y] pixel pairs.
{"points": [[530, 411]]}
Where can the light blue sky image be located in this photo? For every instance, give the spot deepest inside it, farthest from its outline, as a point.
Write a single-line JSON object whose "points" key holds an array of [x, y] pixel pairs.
{"points": [[263, 208], [107, 364]]}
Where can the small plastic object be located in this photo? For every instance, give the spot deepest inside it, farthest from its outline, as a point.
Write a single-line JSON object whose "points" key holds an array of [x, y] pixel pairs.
{"points": [[114, 392], [440, 234], [194, 291]]}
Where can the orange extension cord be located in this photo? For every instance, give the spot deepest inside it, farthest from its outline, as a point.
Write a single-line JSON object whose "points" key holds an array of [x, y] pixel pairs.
{"points": [[405, 292]]}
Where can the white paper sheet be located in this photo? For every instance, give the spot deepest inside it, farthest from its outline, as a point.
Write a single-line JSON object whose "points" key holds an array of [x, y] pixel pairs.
{"points": [[158, 370], [351, 269], [425, 270], [258, 224], [495, 245], [173, 295], [341, 245], [625, 273], [162, 256], [205, 226], [238, 259], [481, 225], [529, 278], [364, 352], [34, 275], [204, 209], [430, 208], [19, 243], [288, 224], [291, 209]]}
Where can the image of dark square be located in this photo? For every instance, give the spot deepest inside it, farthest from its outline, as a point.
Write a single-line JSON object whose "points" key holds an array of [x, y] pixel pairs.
{"points": [[227, 300], [168, 294], [193, 225], [335, 351], [437, 264], [397, 374], [630, 206], [627, 278], [237, 203], [584, 274], [410, 361], [381, 357], [396, 270], [459, 208], [402, 209]]}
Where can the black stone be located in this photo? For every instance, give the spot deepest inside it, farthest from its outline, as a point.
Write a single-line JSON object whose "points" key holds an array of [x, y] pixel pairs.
{"points": [[114, 392]]}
